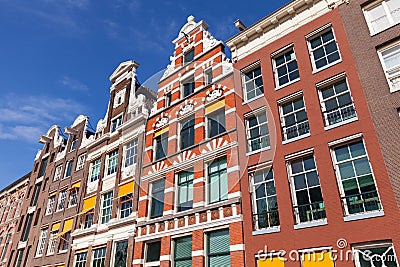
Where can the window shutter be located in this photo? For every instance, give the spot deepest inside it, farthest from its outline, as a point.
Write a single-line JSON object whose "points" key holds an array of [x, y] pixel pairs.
{"points": [[219, 242], [183, 248]]}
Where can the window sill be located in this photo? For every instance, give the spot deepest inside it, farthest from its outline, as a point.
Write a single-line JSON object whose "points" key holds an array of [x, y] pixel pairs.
{"points": [[310, 224], [295, 138], [72, 206], [286, 84], [253, 99], [326, 66], [62, 251], [50, 254], [271, 230], [258, 151], [355, 217], [326, 128]]}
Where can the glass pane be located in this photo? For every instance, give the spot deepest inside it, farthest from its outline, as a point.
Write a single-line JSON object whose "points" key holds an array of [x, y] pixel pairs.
{"points": [[342, 153], [315, 194], [300, 181], [346, 170], [357, 149], [297, 166], [302, 197], [260, 191], [327, 36], [309, 163], [312, 179], [362, 166]]}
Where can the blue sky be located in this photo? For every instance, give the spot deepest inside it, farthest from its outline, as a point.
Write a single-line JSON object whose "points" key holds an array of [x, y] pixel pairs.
{"points": [[56, 57]]}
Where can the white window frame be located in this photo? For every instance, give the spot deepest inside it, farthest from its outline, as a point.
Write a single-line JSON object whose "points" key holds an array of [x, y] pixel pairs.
{"points": [[191, 169], [50, 205], [255, 114], [71, 197], [66, 168], [117, 118], [207, 73], [57, 173], [396, 68], [134, 155], [109, 159], [313, 35], [102, 216], [357, 247], [243, 72], [42, 242], [184, 81], [120, 210], [279, 53], [51, 246], [73, 145], [151, 263], [76, 262], [368, 18], [81, 162], [103, 256], [95, 163], [62, 197]]}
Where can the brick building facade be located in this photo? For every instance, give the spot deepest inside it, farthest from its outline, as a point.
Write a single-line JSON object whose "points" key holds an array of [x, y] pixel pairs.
{"points": [[317, 176]]}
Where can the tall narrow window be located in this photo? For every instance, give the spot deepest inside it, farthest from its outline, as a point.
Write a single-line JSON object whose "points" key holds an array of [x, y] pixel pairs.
{"points": [[88, 219], [95, 170], [308, 204], [217, 180], [43, 167], [57, 173], [73, 197], [131, 153], [336, 102], [80, 259], [188, 87], [99, 257], [81, 162], [285, 68], [106, 207], [183, 251], [188, 56], [357, 183], [42, 242], [218, 248], [112, 163], [167, 99], [68, 169], [265, 204], [52, 242], [187, 133], [216, 123], [375, 254], [161, 146], [208, 76], [115, 123], [36, 194], [19, 257], [4, 252], [185, 190], [126, 206], [153, 251], [50, 204], [381, 15], [121, 253], [257, 131], [157, 198], [27, 229], [73, 144], [294, 119], [323, 49], [62, 196], [390, 59], [252, 83]]}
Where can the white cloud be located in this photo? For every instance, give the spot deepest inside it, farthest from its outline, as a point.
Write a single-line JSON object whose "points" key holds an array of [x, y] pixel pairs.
{"points": [[74, 85], [26, 118]]}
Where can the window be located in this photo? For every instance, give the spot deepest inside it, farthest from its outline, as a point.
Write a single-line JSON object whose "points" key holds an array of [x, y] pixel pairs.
{"points": [[126, 206], [323, 49], [81, 162], [265, 204], [37, 216], [112, 162], [390, 59], [294, 119], [357, 184], [157, 198], [187, 133], [43, 167], [99, 257], [218, 248], [208, 76], [57, 173], [185, 190], [161, 146], [27, 229], [73, 145], [106, 208], [88, 219], [336, 103], [4, 252], [68, 170], [42, 242], [153, 251], [61, 200], [183, 251], [382, 15], [36, 194], [52, 242], [50, 205], [216, 123], [73, 197], [378, 254], [188, 86], [80, 259], [115, 123], [308, 204], [95, 170], [217, 180], [64, 241], [121, 253], [252, 83], [188, 56], [131, 153], [257, 131], [168, 99], [285, 68]]}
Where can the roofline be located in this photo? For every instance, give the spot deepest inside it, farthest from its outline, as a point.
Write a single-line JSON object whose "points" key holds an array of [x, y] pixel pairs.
{"points": [[15, 183]]}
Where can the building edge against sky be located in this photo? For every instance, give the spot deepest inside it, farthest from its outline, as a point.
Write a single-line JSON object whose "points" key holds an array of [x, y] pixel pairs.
{"points": [[280, 149]]}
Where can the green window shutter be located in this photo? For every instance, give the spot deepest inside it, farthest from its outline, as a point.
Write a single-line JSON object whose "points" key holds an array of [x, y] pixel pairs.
{"points": [[183, 252], [218, 242]]}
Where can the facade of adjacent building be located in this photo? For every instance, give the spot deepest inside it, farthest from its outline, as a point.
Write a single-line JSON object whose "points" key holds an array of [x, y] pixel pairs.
{"points": [[189, 206], [314, 181], [106, 222], [373, 31], [11, 199]]}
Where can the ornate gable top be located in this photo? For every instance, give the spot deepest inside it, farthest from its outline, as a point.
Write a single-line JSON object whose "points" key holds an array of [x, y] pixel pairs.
{"points": [[122, 68], [189, 26]]}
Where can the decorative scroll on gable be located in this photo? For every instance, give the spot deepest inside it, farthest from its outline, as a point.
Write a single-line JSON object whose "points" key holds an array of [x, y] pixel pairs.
{"points": [[217, 90], [162, 120], [186, 107]]}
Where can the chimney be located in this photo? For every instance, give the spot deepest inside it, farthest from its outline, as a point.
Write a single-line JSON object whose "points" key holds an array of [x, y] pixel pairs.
{"points": [[240, 25]]}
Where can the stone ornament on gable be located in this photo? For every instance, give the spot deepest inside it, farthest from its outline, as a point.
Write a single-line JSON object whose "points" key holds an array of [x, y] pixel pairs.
{"points": [[188, 107], [162, 122], [208, 40], [216, 92]]}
